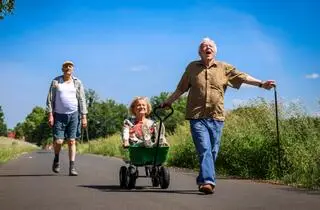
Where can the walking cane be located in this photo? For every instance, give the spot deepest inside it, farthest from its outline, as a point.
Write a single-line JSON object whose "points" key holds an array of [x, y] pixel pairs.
{"points": [[87, 136], [277, 127]]}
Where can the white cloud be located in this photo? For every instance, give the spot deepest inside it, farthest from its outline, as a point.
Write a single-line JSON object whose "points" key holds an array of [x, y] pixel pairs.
{"points": [[312, 76], [251, 49], [139, 68]]}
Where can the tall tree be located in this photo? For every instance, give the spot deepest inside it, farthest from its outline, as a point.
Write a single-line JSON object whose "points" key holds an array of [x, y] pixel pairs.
{"points": [[91, 97], [105, 118], [6, 7], [35, 127], [3, 126], [18, 129]]}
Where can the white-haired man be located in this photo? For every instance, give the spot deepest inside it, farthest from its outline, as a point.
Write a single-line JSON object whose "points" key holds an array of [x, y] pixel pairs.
{"points": [[207, 80]]}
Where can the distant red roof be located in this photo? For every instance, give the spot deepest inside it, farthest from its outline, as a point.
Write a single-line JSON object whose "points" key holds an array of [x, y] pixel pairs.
{"points": [[11, 134]]}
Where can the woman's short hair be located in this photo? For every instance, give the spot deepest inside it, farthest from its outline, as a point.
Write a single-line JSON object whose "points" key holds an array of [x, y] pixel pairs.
{"points": [[138, 98]]}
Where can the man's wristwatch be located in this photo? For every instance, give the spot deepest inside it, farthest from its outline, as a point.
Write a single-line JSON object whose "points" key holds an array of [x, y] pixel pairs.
{"points": [[261, 83]]}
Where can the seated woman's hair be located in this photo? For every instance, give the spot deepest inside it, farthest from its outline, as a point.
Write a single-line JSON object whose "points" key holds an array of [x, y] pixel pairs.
{"points": [[133, 104]]}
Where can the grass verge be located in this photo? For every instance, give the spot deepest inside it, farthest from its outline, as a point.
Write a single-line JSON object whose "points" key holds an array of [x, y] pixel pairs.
{"points": [[11, 148]]}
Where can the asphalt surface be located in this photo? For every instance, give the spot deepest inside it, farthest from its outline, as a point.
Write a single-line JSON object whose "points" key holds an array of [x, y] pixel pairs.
{"points": [[28, 183]]}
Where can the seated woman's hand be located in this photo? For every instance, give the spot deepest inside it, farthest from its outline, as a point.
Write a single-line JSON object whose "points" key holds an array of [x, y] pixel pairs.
{"points": [[165, 144], [126, 144]]}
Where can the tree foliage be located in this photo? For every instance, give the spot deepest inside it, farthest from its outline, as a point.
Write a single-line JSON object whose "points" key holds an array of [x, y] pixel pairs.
{"points": [[35, 128], [3, 126], [105, 118], [19, 130], [91, 97], [6, 7]]}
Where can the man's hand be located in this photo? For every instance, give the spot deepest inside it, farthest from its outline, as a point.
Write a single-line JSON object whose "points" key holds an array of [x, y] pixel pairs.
{"points": [[268, 84], [262, 84], [50, 120], [175, 95], [84, 121], [165, 104]]}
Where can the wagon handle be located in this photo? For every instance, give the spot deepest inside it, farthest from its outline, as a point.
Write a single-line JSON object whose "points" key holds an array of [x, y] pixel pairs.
{"points": [[166, 117], [159, 132]]}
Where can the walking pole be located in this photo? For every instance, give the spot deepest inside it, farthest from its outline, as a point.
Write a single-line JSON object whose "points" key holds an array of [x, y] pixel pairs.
{"points": [[278, 133], [87, 135], [81, 135], [87, 132]]}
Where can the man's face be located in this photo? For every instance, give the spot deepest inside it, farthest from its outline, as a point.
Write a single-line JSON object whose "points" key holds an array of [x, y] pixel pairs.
{"points": [[67, 69], [207, 50]]}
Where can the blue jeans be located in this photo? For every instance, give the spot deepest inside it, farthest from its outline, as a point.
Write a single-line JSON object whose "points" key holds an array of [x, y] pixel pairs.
{"points": [[206, 135]]}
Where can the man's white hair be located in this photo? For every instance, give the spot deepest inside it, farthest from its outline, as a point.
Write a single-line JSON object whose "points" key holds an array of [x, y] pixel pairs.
{"points": [[210, 42]]}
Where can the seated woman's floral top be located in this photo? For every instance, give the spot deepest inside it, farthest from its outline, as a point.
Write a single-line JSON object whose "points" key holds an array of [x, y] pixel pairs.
{"points": [[145, 134]]}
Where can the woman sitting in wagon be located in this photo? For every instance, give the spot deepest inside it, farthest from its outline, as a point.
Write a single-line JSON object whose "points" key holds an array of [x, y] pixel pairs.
{"points": [[140, 129]]}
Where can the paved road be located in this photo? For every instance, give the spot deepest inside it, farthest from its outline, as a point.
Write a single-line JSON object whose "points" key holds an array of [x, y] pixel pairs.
{"points": [[28, 183]]}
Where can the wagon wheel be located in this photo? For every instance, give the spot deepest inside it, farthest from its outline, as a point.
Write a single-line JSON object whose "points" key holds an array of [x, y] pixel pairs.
{"points": [[155, 181], [132, 176], [164, 177], [123, 178]]}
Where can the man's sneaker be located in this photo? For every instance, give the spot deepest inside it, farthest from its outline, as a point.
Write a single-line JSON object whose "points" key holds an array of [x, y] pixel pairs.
{"points": [[56, 167], [207, 188], [73, 172]]}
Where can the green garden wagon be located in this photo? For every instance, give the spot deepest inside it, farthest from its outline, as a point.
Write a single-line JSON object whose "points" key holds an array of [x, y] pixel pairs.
{"points": [[152, 159]]}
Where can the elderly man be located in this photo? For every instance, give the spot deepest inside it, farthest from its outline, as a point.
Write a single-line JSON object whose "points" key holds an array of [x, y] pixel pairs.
{"points": [[66, 104], [207, 80]]}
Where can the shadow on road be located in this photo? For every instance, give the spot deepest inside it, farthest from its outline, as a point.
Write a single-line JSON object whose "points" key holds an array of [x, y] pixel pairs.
{"points": [[302, 191], [26, 175], [139, 189]]}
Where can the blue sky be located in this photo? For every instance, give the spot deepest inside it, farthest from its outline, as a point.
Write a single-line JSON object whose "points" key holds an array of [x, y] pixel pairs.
{"points": [[123, 49]]}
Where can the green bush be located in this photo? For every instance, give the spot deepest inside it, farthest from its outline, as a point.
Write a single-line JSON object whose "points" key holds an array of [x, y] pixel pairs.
{"points": [[302, 151], [182, 152]]}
